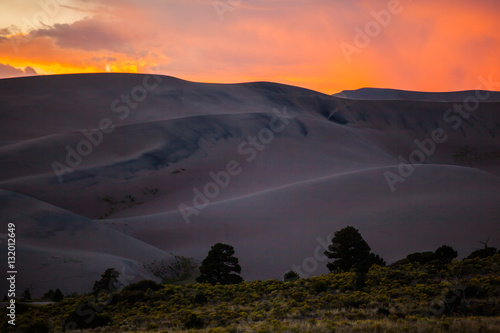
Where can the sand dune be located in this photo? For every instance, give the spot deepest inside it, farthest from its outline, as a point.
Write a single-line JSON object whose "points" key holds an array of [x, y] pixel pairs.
{"points": [[280, 168], [393, 94], [439, 204], [59, 249]]}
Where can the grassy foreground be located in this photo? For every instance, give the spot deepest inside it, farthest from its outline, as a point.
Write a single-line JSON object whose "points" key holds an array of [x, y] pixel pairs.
{"points": [[462, 296]]}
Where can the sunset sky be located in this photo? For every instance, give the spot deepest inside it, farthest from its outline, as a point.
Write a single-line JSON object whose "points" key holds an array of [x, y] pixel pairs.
{"points": [[424, 45]]}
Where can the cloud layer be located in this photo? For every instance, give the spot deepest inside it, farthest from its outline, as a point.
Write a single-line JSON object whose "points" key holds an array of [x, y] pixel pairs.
{"points": [[415, 45], [7, 71]]}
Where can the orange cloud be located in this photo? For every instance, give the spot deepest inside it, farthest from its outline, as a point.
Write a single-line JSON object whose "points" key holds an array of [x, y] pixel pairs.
{"points": [[428, 45]]}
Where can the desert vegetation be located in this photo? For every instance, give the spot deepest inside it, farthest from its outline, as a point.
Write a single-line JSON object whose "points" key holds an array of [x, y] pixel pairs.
{"points": [[424, 292]]}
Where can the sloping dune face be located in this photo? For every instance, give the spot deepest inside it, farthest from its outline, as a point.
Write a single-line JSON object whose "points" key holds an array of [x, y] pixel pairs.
{"points": [[162, 165], [403, 95], [59, 249]]}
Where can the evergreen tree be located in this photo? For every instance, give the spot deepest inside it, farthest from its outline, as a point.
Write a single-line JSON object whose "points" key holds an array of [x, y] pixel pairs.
{"points": [[48, 296], [58, 296], [372, 259], [108, 282], [220, 266], [350, 251], [27, 294], [445, 254]]}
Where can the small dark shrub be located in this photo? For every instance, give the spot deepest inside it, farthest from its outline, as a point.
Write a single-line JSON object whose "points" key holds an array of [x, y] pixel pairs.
{"points": [[319, 286], [383, 311], [291, 276], [38, 326], [77, 321], [422, 257], [200, 298], [483, 253], [143, 285], [353, 303], [360, 281], [193, 322], [57, 296], [131, 297]]}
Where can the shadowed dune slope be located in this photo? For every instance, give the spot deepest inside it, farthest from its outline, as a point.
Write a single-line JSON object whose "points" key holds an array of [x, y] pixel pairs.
{"points": [[116, 170]]}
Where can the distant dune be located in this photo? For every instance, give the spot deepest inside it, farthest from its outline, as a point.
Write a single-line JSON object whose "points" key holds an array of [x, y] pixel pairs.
{"points": [[117, 170], [393, 94]]}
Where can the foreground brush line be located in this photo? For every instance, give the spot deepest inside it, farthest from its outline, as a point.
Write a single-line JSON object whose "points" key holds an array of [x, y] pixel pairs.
{"points": [[462, 296]]}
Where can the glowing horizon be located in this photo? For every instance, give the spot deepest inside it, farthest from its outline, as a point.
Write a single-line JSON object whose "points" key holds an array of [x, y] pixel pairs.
{"points": [[403, 44]]}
